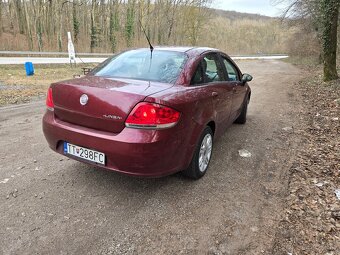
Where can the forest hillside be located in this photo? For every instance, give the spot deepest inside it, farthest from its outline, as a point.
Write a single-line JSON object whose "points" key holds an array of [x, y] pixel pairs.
{"points": [[111, 26]]}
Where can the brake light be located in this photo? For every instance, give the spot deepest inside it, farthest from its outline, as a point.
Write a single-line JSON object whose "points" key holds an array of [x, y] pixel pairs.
{"points": [[49, 100], [153, 116]]}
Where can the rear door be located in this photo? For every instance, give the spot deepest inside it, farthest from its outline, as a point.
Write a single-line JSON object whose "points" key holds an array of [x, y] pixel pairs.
{"points": [[238, 89], [210, 75]]}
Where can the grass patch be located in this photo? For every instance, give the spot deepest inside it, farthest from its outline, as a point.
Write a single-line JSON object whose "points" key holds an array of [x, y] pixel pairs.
{"points": [[16, 87]]}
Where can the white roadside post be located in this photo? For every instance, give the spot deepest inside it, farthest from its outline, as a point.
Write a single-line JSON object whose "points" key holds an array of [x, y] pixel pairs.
{"points": [[71, 51]]}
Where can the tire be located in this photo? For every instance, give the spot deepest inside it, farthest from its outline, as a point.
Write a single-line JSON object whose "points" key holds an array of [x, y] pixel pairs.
{"points": [[202, 156], [242, 119]]}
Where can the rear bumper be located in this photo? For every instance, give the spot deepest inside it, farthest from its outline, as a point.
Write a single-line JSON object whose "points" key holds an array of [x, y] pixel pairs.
{"points": [[145, 153]]}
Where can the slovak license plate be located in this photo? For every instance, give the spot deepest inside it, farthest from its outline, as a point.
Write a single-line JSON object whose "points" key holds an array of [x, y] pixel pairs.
{"points": [[84, 153]]}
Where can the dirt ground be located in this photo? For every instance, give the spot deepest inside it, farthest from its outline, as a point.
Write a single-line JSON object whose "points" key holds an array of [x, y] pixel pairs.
{"points": [[52, 205]]}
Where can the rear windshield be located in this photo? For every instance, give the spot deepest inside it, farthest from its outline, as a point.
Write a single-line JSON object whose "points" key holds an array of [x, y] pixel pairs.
{"points": [[164, 66]]}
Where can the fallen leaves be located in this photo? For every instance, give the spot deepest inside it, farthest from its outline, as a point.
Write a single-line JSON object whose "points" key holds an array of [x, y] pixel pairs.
{"points": [[312, 215]]}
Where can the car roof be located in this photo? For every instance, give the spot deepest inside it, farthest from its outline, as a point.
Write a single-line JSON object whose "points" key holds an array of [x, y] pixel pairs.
{"points": [[186, 49]]}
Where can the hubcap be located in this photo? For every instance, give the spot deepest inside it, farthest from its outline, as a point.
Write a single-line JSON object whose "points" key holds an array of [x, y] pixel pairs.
{"points": [[205, 153]]}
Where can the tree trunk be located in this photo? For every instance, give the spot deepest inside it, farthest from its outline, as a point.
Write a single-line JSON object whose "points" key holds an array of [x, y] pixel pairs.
{"points": [[28, 26], [93, 42], [21, 24], [39, 23], [130, 20], [48, 25], [1, 24], [112, 26], [60, 30], [76, 22], [330, 30], [39, 35]]}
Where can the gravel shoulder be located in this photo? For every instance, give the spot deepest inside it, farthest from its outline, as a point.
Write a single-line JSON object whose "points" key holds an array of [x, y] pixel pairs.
{"points": [[52, 205]]}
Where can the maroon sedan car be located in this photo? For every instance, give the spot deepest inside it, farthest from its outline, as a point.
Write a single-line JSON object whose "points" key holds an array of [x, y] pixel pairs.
{"points": [[148, 113]]}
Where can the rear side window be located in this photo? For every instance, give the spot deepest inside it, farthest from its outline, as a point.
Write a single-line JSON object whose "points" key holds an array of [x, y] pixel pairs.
{"points": [[231, 70], [197, 78]]}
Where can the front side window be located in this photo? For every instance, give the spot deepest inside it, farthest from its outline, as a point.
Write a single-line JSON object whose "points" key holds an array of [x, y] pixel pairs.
{"points": [[208, 71], [163, 66], [213, 72], [231, 70]]}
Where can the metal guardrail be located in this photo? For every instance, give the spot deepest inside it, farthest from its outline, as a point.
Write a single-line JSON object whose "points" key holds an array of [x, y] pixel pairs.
{"points": [[30, 53]]}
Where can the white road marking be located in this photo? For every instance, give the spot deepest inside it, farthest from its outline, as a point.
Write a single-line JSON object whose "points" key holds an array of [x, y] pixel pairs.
{"points": [[259, 57]]}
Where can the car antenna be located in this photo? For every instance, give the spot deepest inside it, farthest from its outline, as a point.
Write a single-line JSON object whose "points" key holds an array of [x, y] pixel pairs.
{"points": [[147, 38], [151, 47]]}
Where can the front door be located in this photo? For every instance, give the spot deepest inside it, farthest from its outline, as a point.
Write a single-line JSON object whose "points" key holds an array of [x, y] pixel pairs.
{"points": [[238, 88]]}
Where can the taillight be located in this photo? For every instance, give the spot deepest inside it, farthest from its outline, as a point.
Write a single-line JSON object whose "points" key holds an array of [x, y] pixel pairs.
{"points": [[152, 116], [49, 100]]}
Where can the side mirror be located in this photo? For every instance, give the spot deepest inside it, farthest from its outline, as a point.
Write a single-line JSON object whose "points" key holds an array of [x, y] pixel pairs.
{"points": [[246, 78]]}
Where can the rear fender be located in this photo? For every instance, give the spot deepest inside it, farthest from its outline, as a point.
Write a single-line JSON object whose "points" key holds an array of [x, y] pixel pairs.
{"points": [[196, 110]]}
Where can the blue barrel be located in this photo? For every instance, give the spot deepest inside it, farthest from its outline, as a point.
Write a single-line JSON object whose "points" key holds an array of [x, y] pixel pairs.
{"points": [[29, 68]]}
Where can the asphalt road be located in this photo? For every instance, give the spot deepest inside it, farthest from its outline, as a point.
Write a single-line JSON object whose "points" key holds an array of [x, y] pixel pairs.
{"points": [[53, 60], [52, 205]]}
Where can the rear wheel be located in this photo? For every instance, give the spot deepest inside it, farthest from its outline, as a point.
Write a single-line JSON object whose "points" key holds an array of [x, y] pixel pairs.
{"points": [[201, 159], [242, 119]]}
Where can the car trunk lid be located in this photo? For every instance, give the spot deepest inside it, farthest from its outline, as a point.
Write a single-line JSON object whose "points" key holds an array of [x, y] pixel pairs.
{"points": [[109, 100]]}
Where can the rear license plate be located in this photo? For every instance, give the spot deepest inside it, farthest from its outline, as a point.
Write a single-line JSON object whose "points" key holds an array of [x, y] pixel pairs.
{"points": [[84, 153]]}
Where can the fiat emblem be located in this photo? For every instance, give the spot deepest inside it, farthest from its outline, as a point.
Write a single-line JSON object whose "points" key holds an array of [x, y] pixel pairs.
{"points": [[84, 99]]}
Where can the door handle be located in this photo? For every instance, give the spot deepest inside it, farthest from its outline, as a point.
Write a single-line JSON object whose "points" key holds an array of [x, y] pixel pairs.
{"points": [[214, 94]]}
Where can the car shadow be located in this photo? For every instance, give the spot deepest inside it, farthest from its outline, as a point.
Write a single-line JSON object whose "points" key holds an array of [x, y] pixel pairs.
{"points": [[103, 180], [112, 187], [92, 176]]}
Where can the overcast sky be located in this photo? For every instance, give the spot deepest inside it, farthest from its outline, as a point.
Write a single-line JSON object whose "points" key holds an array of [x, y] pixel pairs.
{"points": [[264, 7]]}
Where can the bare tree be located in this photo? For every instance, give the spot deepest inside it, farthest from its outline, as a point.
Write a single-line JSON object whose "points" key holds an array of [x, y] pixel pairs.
{"points": [[76, 23], [113, 25], [102, 24], [324, 16], [94, 30], [20, 16], [1, 24], [28, 26], [130, 22]]}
